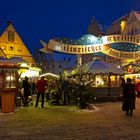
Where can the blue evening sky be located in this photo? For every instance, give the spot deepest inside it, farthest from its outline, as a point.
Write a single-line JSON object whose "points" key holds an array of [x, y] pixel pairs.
{"points": [[37, 20]]}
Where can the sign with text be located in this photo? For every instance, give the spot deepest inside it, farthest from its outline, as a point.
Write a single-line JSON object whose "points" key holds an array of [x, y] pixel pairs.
{"points": [[129, 48]]}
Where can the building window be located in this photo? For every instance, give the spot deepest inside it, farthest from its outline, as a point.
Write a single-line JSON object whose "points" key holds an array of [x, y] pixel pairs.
{"points": [[132, 31], [3, 47], [128, 33], [118, 32], [11, 36], [10, 81], [135, 30]]}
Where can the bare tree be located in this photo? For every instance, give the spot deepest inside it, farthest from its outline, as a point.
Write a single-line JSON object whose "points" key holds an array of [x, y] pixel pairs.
{"points": [[94, 28]]}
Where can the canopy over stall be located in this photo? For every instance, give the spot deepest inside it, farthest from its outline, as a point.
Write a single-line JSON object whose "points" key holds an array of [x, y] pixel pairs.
{"points": [[99, 67], [103, 78], [49, 75], [104, 74]]}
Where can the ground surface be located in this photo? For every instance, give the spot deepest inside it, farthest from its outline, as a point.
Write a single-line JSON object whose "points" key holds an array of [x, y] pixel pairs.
{"points": [[106, 122]]}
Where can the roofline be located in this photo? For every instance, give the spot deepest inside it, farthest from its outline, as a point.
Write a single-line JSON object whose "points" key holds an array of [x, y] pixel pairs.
{"points": [[126, 15], [121, 18]]}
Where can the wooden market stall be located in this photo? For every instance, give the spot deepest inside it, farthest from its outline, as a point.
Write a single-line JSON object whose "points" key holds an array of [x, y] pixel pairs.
{"points": [[105, 78], [8, 85]]}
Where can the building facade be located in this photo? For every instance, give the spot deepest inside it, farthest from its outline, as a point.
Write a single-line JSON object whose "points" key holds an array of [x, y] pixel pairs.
{"points": [[12, 45], [128, 24], [12, 48]]}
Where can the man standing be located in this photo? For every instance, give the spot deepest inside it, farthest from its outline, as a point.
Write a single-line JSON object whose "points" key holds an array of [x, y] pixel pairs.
{"points": [[65, 90], [40, 91]]}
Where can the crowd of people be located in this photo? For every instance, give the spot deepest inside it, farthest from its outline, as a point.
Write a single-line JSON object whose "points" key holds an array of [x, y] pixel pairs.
{"points": [[26, 88], [42, 87], [29, 87]]}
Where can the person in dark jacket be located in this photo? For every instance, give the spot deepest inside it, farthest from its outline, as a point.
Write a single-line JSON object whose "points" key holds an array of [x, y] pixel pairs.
{"points": [[122, 82], [27, 92], [129, 96], [65, 90], [40, 86]]}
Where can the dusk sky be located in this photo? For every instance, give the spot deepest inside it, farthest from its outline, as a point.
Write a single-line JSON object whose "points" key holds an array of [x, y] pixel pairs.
{"points": [[37, 20]]}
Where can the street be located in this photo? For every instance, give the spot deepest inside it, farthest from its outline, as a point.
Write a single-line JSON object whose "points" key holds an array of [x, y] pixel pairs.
{"points": [[106, 122]]}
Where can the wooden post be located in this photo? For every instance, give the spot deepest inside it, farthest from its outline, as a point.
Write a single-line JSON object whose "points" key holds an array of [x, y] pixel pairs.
{"points": [[109, 84]]}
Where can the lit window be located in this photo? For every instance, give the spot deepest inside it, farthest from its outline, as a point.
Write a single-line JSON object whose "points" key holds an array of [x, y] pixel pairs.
{"points": [[10, 81], [11, 36]]}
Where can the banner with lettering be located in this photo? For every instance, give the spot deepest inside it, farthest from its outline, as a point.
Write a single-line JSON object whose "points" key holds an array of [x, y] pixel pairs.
{"points": [[119, 46]]}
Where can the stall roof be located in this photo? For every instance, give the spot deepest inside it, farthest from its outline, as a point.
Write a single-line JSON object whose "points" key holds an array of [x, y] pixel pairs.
{"points": [[99, 67], [17, 60], [49, 75], [7, 64]]}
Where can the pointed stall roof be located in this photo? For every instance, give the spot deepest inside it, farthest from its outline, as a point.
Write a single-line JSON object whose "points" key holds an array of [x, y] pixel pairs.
{"points": [[99, 67], [5, 63], [51, 75]]}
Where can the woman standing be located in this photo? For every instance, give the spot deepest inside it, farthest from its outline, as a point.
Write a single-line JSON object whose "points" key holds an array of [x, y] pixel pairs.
{"points": [[129, 96], [27, 92]]}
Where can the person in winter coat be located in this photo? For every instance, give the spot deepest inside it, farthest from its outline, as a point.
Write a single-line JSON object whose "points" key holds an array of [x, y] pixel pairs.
{"points": [[129, 96], [41, 87], [138, 89], [27, 92]]}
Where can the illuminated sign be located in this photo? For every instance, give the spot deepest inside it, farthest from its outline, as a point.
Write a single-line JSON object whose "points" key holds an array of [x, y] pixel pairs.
{"points": [[121, 38], [75, 49], [127, 47]]}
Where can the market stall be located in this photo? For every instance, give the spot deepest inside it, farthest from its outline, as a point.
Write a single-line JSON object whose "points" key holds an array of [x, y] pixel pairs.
{"points": [[105, 79], [8, 85]]}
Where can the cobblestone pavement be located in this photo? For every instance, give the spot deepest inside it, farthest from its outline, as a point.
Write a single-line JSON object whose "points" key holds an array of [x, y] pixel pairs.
{"points": [[106, 122]]}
